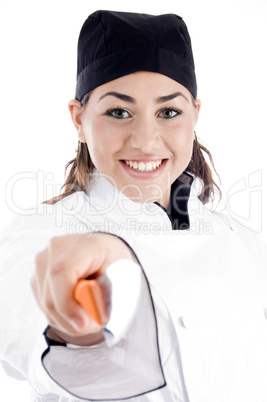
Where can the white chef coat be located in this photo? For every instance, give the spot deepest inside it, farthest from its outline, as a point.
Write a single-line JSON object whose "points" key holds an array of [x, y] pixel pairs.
{"points": [[201, 334]]}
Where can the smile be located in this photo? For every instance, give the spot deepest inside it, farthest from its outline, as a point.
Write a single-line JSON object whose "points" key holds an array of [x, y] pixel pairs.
{"points": [[144, 166]]}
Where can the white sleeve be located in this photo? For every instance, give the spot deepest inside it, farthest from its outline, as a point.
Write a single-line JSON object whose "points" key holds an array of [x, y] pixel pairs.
{"points": [[22, 322], [130, 368]]}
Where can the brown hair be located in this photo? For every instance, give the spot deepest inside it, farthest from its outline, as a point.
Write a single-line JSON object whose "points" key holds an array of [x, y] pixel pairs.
{"points": [[81, 167]]}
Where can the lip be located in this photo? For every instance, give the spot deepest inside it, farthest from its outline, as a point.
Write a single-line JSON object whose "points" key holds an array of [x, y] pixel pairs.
{"points": [[136, 174]]}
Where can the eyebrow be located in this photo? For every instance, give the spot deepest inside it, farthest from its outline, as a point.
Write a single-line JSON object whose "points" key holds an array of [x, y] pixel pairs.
{"points": [[122, 97], [129, 99], [167, 98]]}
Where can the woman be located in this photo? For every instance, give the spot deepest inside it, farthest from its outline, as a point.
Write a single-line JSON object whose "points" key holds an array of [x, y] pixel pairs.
{"points": [[199, 333]]}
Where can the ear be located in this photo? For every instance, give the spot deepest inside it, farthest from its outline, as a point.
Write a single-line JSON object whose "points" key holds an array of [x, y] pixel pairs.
{"points": [[197, 105], [76, 113]]}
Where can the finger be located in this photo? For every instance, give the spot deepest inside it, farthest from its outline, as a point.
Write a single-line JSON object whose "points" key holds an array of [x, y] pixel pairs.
{"points": [[64, 272], [51, 307], [38, 278], [65, 310], [39, 286], [81, 259], [50, 302], [41, 290]]}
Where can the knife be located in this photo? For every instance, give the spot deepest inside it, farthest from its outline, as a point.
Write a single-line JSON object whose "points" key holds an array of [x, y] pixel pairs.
{"points": [[112, 299]]}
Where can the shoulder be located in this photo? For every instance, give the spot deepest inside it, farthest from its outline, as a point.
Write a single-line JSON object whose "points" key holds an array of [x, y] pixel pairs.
{"points": [[249, 236], [47, 217]]}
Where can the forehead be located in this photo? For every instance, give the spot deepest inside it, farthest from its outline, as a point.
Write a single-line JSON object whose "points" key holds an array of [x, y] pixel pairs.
{"points": [[142, 83]]}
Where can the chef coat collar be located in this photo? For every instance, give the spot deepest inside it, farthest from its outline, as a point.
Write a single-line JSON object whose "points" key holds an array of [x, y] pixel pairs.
{"points": [[177, 210], [180, 212]]}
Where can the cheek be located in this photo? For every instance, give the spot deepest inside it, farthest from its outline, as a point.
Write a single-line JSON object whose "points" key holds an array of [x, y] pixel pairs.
{"points": [[97, 139], [181, 141], [104, 141]]}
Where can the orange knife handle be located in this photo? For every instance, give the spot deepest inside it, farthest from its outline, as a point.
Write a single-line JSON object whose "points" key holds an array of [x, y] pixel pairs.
{"points": [[88, 294]]}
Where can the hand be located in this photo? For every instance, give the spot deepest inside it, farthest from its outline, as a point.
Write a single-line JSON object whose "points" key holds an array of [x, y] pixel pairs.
{"points": [[58, 268]]}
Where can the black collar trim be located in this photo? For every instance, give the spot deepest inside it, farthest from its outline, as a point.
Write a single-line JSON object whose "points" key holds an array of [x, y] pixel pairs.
{"points": [[177, 210]]}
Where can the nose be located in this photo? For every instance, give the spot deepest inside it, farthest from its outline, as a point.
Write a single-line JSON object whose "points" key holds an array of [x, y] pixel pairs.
{"points": [[144, 135]]}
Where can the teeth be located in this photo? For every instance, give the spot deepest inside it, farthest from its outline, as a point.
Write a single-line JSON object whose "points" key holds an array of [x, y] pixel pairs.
{"points": [[144, 167], [149, 166]]}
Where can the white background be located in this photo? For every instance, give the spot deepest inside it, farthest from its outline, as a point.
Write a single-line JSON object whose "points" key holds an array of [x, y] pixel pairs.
{"points": [[38, 68]]}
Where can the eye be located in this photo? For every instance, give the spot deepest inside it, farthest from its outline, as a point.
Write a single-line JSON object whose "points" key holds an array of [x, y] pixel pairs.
{"points": [[118, 113], [169, 113]]}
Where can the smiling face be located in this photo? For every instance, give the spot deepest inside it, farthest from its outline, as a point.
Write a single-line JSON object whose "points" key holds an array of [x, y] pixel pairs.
{"points": [[139, 130]]}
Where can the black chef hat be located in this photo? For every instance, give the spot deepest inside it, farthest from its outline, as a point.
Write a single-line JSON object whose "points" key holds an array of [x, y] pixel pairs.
{"points": [[113, 44]]}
